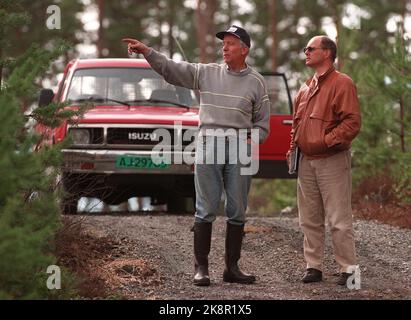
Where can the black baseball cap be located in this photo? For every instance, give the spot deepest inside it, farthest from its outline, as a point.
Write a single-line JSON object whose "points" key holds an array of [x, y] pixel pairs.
{"points": [[238, 32]]}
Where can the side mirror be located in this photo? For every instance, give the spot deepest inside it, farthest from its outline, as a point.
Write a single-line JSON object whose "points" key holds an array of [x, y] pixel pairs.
{"points": [[46, 96]]}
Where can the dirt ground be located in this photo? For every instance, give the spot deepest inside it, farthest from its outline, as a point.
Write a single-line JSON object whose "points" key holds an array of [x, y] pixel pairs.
{"points": [[151, 258]]}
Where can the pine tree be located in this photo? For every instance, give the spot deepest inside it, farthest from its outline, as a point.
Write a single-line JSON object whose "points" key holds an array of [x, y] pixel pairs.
{"points": [[384, 143], [29, 213]]}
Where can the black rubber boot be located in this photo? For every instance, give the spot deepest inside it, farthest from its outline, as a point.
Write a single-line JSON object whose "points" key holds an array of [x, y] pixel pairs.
{"points": [[233, 242], [202, 242]]}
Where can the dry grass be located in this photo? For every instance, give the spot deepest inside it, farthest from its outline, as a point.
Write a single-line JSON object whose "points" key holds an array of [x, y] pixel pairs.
{"points": [[375, 198], [128, 271], [249, 228], [393, 214], [98, 267], [79, 251]]}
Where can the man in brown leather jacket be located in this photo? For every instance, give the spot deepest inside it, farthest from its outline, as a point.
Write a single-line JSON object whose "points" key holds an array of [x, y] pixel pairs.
{"points": [[326, 119]]}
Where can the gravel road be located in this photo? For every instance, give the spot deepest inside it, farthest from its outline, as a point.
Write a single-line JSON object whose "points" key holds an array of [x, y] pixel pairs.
{"points": [[154, 259]]}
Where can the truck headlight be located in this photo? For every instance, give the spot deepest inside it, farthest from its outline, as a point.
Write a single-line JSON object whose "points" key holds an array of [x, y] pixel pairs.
{"points": [[80, 136]]}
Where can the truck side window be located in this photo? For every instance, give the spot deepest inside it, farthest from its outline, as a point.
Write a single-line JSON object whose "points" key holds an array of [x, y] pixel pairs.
{"points": [[278, 94]]}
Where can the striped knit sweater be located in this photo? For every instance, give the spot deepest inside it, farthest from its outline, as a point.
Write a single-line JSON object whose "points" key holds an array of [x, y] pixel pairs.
{"points": [[227, 99]]}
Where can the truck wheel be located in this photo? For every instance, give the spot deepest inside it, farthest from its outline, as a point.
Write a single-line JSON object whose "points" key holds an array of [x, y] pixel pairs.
{"points": [[69, 195], [69, 206], [179, 204]]}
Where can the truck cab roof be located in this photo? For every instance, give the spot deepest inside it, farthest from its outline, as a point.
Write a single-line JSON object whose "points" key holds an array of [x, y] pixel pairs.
{"points": [[110, 62]]}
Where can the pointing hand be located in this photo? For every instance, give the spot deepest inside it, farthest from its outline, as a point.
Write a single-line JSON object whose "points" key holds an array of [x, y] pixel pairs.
{"points": [[136, 46]]}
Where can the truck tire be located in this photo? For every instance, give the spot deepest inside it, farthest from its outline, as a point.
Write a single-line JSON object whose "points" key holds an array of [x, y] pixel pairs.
{"points": [[69, 205], [179, 204], [69, 195]]}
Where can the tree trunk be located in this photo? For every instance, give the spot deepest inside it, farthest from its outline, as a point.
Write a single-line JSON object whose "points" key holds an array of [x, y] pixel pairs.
{"points": [[337, 22], [273, 28], [402, 124], [204, 15], [402, 99], [170, 21], [160, 23], [100, 40], [1, 69], [404, 12], [230, 12]]}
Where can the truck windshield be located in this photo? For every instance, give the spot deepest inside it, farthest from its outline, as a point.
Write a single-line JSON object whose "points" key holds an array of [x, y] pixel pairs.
{"points": [[133, 86]]}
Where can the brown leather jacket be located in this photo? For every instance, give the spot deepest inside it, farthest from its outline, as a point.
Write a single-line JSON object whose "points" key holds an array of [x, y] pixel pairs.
{"points": [[326, 117]]}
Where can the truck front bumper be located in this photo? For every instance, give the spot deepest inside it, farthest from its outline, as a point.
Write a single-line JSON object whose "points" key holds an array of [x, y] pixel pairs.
{"points": [[105, 162]]}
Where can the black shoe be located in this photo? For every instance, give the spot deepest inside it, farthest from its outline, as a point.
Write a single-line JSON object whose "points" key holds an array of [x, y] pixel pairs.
{"points": [[342, 279], [312, 275]]}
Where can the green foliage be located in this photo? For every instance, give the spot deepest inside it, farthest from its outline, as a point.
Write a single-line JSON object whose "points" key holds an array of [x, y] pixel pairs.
{"points": [[56, 113], [383, 145], [268, 197], [26, 21], [29, 66], [12, 16], [145, 21], [29, 213]]}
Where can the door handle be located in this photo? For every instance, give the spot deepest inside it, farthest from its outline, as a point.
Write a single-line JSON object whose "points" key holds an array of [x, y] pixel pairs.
{"points": [[288, 122]]}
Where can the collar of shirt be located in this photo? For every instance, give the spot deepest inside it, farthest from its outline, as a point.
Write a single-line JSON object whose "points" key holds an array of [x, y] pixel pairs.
{"points": [[241, 71], [324, 75], [315, 80]]}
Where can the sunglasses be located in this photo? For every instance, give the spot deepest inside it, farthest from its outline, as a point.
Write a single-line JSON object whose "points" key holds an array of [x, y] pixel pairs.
{"points": [[310, 49]]}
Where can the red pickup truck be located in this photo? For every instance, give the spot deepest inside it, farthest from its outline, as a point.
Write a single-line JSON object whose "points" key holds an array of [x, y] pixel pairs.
{"points": [[112, 144]]}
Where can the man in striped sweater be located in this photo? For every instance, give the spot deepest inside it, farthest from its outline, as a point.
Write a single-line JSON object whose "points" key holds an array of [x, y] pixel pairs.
{"points": [[233, 100]]}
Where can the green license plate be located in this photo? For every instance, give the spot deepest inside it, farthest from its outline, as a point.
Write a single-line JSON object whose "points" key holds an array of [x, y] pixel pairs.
{"points": [[140, 163]]}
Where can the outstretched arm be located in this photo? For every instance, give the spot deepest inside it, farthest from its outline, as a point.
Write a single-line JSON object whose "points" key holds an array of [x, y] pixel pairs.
{"points": [[182, 73]]}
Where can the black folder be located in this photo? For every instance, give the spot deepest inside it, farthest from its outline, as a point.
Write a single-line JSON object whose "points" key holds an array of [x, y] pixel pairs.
{"points": [[294, 160]]}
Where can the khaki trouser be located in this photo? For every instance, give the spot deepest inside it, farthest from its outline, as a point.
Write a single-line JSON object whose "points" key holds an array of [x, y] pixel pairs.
{"points": [[324, 191]]}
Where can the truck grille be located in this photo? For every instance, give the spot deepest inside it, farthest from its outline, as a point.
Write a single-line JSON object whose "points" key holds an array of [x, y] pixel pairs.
{"points": [[146, 137]]}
